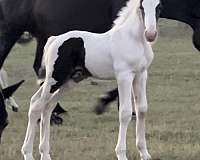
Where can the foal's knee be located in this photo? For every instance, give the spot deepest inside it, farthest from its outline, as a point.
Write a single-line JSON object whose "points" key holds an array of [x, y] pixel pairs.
{"points": [[33, 114], [125, 115], [142, 108]]}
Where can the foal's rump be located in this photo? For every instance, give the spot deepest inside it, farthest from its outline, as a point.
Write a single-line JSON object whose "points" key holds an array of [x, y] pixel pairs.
{"points": [[66, 53], [64, 60]]}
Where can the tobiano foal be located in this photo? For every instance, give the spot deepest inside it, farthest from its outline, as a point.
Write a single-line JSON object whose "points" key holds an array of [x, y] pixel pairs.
{"points": [[123, 53]]}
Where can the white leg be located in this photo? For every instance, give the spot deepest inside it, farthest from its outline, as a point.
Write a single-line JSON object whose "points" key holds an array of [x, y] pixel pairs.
{"points": [[33, 115], [44, 135], [44, 146], [141, 108], [124, 81]]}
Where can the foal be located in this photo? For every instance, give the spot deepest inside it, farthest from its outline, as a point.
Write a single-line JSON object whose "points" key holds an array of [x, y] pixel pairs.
{"points": [[124, 53]]}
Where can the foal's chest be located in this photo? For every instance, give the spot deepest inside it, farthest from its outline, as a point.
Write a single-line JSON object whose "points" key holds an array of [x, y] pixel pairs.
{"points": [[136, 56]]}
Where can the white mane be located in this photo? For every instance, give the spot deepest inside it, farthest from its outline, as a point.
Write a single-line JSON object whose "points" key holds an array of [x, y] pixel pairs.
{"points": [[123, 14]]}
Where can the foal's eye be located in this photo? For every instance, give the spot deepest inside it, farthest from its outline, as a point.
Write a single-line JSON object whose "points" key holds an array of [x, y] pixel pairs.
{"points": [[142, 10]]}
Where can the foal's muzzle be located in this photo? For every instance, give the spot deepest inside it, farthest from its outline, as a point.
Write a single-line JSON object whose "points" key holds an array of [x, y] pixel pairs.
{"points": [[150, 35]]}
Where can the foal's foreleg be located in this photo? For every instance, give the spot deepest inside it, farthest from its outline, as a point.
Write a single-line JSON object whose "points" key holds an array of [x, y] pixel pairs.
{"points": [[141, 108], [124, 81]]}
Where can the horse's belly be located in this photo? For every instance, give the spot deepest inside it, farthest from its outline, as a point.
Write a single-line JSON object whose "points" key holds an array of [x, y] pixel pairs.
{"points": [[100, 66]]}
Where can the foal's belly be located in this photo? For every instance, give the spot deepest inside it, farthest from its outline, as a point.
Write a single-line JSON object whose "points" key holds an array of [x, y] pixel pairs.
{"points": [[99, 67], [98, 61]]}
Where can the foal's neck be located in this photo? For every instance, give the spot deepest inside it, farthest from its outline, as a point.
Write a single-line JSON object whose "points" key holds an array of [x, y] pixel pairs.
{"points": [[134, 24]]}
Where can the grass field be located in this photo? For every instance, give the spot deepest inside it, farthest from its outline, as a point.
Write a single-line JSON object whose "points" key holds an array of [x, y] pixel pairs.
{"points": [[173, 130]]}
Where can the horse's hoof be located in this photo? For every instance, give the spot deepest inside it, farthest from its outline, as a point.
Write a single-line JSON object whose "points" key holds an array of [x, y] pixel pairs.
{"points": [[146, 156], [14, 109], [55, 119], [28, 157], [100, 108], [45, 157], [93, 83]]}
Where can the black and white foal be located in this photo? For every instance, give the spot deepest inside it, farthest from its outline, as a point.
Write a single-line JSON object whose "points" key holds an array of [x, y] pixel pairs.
{"points": [[123, 53]]}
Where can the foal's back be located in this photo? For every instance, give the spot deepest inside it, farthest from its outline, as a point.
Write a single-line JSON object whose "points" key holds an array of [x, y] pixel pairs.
{"points": [[101, 54], [97, 57]]}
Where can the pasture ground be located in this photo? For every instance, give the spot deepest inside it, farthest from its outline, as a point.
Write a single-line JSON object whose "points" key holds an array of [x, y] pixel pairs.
{"points": [[173, 130]]}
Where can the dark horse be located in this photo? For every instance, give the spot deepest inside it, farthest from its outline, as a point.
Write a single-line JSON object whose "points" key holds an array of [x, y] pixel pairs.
{"points": [[43, 18]]}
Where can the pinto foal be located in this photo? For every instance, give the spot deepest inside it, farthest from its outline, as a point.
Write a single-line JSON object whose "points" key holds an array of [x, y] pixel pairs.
{"points": [[123, 53]]}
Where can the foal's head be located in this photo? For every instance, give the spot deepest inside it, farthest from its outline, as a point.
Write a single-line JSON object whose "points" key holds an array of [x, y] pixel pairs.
{"points": [[151, 12]]}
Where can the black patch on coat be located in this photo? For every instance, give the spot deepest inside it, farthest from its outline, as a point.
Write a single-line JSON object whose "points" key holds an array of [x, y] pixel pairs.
{"points": [[70, 63]]}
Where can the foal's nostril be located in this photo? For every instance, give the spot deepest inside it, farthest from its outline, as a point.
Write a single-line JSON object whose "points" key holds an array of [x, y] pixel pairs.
{"points": [[150, 35]]}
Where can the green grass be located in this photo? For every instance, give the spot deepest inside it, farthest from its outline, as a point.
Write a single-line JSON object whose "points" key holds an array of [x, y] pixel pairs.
{"points": [[173, 131]]}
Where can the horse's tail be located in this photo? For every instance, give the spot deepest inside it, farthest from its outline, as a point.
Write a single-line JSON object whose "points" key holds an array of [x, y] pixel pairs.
{"points": [[42, 70]]}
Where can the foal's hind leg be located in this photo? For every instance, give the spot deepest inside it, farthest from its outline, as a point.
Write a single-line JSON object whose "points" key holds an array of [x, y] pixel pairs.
{"points": [[45, 120], [33, 115], [141, 108], [45, 126], [124, 81]]}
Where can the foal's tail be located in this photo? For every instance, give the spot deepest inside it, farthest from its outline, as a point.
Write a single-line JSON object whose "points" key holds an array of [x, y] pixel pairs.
{"points": [[42, 70]]}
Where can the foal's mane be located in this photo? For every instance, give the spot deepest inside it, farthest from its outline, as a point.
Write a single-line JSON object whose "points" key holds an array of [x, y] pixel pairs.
{"points": [[130, 8]]}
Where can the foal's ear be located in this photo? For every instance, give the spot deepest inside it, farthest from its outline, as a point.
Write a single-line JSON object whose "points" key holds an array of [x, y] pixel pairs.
{"points": [[8, 92]]}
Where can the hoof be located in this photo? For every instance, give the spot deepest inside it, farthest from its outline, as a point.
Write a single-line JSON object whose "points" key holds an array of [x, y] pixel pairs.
{"points": [[28, 157], [45, 157], [93, 83], [55, 119], [146, 156], [14, 109], [100, 107]]}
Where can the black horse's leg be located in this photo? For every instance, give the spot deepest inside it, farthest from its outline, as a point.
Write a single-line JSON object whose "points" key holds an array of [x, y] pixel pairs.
{"points": [[196, 36], [7, 41], [38, 56], [103, 102], [55, 118]]}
